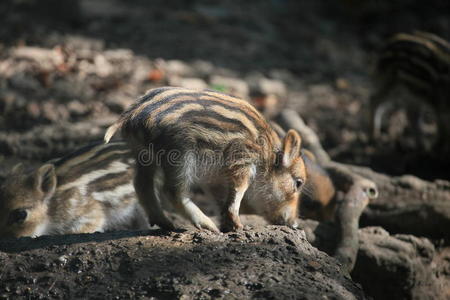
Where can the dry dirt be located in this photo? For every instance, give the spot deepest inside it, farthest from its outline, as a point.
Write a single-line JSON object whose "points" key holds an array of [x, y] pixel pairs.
{"points": [[262, 263]]}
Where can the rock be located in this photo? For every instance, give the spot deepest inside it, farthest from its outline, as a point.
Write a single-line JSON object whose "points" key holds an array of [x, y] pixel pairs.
{"points": [[204, 69], [102, 66], [192, 83], [259, 84], [46, 59], [405, 204], [253, 79], [54, 112], [140, 72], [84, 46], [73, 89], [396, 267], [267, 95], [50, 141], [285, 76], [387, 267], [22, 81], [177, 68], [272, 87], [234, 86], [77, 109], [265, 263], [118, 102], [422, 206]]}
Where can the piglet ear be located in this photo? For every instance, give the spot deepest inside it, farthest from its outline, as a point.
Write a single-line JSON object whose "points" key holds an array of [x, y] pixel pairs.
{"points": [[45, 180], [291, 147]]}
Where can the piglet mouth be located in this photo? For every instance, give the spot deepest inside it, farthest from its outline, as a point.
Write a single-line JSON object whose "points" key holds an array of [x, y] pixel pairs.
{"points": [[286, 215], [291, 222]]}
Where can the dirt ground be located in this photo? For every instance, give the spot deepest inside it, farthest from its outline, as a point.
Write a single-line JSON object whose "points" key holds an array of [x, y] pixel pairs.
{"points": [[67, 69], [183, 265]]}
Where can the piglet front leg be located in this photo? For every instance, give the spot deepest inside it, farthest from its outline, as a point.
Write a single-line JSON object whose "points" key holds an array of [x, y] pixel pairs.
{"points": [[230, 214]]}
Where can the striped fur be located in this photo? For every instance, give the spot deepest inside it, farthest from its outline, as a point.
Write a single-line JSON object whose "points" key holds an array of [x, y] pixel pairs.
{"points": [[86, 191], [413, 73], [420, 60], [248, 155]]}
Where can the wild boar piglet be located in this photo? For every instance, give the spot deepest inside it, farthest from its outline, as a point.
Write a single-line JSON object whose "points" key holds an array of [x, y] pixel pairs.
{"points": [[187, 137], [86, 191]]}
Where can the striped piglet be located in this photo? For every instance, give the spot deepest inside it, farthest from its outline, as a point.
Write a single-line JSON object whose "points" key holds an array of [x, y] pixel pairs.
{"points": [[86, 191], [186, 137]]}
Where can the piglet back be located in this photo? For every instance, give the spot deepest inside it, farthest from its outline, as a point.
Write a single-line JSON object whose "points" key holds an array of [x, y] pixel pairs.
{"points": [[205, 116]]}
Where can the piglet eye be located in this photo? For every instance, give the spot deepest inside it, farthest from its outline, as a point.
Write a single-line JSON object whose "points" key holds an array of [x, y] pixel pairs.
{"points": [[298, 183], [17, 216]]}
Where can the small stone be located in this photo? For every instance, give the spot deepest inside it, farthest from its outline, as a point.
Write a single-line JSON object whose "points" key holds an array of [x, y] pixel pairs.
{"points": [[203, 68], [119, 103], [231, 85], [103, 67], [63, 259], [21, 81], [272, 87], [77, 108], [191, 83], [177, 67]]}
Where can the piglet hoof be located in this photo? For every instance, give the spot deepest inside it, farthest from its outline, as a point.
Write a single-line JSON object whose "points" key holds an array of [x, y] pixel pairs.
{"points": [[206, 224], [165, 225], [234, 225], [293, 225]]}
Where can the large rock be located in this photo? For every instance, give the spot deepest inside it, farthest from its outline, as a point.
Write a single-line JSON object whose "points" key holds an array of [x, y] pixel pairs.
{"points": [[264, 263], [397, 267], [407, 204], [387, 266], [231, 85]]}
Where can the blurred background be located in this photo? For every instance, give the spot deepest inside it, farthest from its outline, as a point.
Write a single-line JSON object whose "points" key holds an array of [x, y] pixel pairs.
{"points": [[69, 68]]}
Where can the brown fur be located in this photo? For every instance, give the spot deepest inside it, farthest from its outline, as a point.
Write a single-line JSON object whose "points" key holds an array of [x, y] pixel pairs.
{"points": [[317, 200], [198, 122], [86, 191]]}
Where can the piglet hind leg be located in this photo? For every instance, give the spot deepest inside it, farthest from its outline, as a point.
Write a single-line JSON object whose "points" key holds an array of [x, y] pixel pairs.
{"points": [[178, 194], [184, 205], [145, 191], [196, 216], [238, 185]]}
